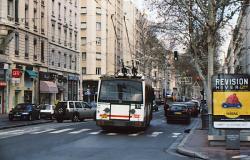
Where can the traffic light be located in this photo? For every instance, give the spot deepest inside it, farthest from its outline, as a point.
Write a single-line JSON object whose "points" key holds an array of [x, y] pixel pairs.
{"points": [[175, 55]]}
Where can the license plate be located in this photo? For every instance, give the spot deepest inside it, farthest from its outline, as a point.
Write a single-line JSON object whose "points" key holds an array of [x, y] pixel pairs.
{"points": [[177, 113]]}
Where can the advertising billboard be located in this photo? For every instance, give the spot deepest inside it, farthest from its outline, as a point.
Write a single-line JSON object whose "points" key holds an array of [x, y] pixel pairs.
{"points": [[231, 101]]}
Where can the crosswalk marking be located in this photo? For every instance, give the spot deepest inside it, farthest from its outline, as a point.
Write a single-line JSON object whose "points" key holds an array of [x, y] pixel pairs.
{"points": [[95, 133], [62, 130], [175, 135], [11, 132], [47, 130], [155, 134], [79, 131]]}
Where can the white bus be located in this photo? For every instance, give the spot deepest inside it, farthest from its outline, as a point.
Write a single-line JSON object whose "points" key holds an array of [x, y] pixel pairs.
{"points": [[124, 102]]}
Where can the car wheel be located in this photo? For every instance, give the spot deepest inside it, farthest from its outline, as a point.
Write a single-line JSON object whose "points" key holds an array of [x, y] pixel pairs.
{"points": [[10, 117], [59, 120], [39, 116], [75, 118], [30, 118]]}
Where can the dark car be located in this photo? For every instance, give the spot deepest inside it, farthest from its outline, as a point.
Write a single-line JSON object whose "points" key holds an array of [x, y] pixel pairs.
{"points": [[193, 108], [25, 111], [178, 113], [155, 107]]}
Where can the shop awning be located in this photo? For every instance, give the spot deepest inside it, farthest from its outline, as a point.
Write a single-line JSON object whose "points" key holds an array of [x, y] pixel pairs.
{"points": [[48, 87], [31, 74]]}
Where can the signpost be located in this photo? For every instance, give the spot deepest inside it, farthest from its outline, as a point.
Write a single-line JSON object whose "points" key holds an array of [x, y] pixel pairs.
{"points": [[231, 105]]}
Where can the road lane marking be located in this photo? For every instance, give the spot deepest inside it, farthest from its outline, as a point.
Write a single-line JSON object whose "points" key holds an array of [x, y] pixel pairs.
{"points": [[175, 135], [155, 134], [95, 133], [11, 132], [112, 134], [240, 156], [47, 130], [79, 131], [62, 130], [136, 134]]}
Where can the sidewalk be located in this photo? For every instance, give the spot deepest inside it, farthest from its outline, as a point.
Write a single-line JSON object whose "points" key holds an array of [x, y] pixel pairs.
{"points": [[196, 145], [5, 123]]}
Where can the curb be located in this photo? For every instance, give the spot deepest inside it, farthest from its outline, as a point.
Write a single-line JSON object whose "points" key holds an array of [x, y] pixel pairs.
{"points": [[182, 150], [24, 124]]}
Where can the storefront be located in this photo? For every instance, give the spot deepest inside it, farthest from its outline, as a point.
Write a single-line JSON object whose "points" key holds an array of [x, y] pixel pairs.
{"points": [[29, 87], [73, 81], [89, 90], [47, 88], [62, 88]]}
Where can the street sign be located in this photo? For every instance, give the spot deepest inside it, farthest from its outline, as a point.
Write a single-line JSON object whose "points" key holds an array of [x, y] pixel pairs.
{"points": [[16, 73], [185, 80], [231, 102]]}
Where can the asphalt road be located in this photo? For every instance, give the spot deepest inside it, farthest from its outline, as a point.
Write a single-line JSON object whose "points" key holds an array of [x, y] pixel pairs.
{"points": [[85, 140]]}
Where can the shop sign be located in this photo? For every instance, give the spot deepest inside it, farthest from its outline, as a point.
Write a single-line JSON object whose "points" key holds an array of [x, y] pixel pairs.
{"points": [[3, 84], [231, 102], [73, 77], [16, 73], [15, 80]]}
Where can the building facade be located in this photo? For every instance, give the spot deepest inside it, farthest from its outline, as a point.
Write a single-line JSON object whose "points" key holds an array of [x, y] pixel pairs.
{"points": [[63, 53], [24, 50], [100, 42]]}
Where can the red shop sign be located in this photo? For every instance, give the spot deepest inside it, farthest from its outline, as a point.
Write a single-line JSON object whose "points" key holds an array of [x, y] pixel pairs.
{"points": [[3, 84], [16, 73]]}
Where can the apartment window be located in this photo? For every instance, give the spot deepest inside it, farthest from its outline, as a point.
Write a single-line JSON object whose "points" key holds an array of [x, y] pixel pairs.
{"points": [[70, 15], [98, 26], [98, 71], [59, 11], [76, 20], [84, 70], [83, 41], [26, 16], [16, 11], [16, 44], [53, 31], [53, 8], [70, 38], [52, 57], [59, 59], [70, 61], [35, 49], [83, 25], [65, 13], [35, 16], [98, 41], [84, 56], [84, 10], [98, 10], [75, 62], [98, 56], [75, 41], [26, 54], [75, 3], [59, 33], [42, 23], [65, 60], [42, 51], [10, 8], [65, 36]]}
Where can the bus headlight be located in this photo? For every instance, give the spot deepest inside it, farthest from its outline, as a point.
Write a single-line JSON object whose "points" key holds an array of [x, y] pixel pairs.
{"points": [[132, 111]]}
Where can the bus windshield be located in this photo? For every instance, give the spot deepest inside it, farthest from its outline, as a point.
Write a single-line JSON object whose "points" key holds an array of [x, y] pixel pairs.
{"points": [[121, 91]]}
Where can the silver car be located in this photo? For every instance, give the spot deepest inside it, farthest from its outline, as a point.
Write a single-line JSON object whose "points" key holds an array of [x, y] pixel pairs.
{"points": [[74, 110]]}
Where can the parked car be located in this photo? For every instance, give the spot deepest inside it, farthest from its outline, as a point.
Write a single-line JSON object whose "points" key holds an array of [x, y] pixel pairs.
{"points": [[74, 110], [25, 111], [178, 112], [193, 109], [155, 107], [47, 111]]}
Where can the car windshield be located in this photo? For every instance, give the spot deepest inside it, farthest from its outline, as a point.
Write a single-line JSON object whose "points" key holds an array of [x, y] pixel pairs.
{"points": [[61, 105], [121, 90], [177, 107], [23, 107], [45, 107]]}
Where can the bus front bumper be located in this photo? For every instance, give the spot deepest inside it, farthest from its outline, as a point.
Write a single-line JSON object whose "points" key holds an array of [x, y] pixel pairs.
{"points": [[120, 123]]}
